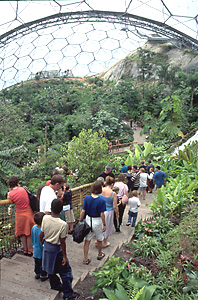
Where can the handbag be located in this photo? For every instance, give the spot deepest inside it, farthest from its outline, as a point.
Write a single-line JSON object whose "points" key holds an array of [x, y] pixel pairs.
{"points": [[34, 202], [80, 231], [125, 199]]}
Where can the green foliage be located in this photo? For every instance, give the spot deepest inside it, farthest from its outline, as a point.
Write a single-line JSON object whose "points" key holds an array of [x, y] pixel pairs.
{"points": [[172, 114], [139, 154], [112, 272], [153, 227], [88, 154], [7, 168], [192, 283], [148, 246], [133, 292]]}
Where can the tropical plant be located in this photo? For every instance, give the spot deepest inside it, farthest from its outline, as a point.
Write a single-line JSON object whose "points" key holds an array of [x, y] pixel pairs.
{"points": [[7, 168], [134, 291], [159, 204], [172, 114], [112, 272], [148, 246], [134, 158], [153, 227], [87, 154], [192, 283]]}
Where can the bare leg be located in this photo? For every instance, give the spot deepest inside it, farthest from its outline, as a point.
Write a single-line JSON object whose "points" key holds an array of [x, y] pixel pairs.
{"points": [[71, 226], [144, 195], [86, 249], [29, 244], [99, 248], [24, 242], [140, 195], [105, 242]]}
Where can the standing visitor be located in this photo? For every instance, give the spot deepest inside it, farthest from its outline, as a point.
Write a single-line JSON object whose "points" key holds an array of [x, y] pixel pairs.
{"points": [[68, 208], [107, 172], [143, 183], [38, 247], [143, 165], [24, 217], [136, 178], [150, 180], [48, 193], [134, 203], [94, 208], [110, 199], [159, 178], [150, 165], [129, 175], [124, 168], [53, 234], [123, 191]]}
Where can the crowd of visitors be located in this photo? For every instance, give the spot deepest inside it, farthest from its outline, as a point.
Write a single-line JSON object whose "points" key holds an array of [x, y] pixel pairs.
{"points": [[43, 234]]}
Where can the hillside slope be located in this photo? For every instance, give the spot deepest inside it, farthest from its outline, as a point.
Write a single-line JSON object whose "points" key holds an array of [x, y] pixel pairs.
{"points": [[167, 52]]}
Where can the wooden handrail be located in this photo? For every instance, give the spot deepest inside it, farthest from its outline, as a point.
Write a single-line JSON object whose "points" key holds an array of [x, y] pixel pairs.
{"points": [[4, 202]]}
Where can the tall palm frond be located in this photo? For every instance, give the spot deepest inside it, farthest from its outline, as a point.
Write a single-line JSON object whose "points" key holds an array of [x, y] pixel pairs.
{"points": [[7, 168]]}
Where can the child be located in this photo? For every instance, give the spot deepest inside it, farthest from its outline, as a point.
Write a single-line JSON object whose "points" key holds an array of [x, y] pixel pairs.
{"points": [[134, 203], [68, 208], [38, 247], [54, 252]]}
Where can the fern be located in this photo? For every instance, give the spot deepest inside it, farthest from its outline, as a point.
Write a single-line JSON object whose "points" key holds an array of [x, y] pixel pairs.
{"points": [[132, 292], [139, 293]]}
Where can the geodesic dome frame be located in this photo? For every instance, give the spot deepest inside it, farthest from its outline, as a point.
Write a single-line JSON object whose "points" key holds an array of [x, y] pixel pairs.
{"points": [[80, 43]]}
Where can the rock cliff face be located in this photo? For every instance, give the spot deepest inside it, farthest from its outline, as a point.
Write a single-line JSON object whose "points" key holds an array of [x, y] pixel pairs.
{"points": [[170, 55]]}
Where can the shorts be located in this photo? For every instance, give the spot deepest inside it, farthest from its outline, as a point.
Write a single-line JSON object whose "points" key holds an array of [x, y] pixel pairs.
{"points": [[96, 229], [143, 188], [158, 186], [69, 216]]}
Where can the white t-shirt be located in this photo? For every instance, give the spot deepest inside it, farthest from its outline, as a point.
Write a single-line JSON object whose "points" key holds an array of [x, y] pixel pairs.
{"points": [[134, 202], [46, 198], [143, 179], [54, 229]]}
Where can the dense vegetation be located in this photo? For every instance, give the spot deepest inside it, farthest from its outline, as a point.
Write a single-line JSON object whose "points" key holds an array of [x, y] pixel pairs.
{"points": [[41, 117], [161, 260]]}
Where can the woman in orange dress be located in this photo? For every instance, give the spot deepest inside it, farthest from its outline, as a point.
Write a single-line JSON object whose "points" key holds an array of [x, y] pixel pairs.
{"points": [[24, 218]]}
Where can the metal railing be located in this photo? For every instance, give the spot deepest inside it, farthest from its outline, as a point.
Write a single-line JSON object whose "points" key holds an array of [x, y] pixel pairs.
{"points": [[8, 240]]}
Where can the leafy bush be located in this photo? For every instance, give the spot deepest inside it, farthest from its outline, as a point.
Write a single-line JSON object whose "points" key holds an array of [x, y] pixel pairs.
{"points": [[148, 246], [112, 272]]}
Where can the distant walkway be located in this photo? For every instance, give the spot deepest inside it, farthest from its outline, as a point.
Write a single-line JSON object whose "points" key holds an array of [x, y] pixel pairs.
{"points": [[138, 139]]}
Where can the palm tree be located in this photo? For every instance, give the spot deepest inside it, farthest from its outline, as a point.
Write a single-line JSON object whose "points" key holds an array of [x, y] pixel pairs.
{"points": [[7, 168]]}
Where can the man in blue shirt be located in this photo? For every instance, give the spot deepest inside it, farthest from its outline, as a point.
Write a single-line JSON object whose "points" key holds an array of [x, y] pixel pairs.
{"points": [[159, 178]]}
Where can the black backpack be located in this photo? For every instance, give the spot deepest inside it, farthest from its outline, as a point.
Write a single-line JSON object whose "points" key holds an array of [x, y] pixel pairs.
{"points": [[80, 231]]}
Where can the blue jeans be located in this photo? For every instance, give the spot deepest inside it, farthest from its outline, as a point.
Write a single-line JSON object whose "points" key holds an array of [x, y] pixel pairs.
{"points": [[38, 268], [65, 273], [134, 215]]}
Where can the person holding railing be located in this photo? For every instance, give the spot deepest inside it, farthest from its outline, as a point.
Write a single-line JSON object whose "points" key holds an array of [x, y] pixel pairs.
{"points": [[24, 218]]}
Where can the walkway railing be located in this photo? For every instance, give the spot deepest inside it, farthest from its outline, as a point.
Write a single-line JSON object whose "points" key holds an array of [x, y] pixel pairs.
{"points": [[8, 241]]}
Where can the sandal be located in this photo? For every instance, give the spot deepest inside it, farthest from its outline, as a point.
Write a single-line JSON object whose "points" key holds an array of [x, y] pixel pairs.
{"points": [[86, 262], [99, 257]]}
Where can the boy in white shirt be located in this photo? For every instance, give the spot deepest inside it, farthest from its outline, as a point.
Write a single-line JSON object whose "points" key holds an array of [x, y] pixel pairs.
{"points": [[134, 203]]}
